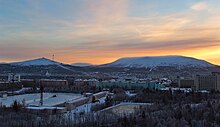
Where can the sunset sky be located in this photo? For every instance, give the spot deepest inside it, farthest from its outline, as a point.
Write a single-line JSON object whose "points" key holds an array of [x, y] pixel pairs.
{"points": [[101, 31]]}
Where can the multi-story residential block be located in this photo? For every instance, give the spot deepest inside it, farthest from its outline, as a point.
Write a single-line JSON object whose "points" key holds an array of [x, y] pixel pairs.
{"points": [[207, 82]]}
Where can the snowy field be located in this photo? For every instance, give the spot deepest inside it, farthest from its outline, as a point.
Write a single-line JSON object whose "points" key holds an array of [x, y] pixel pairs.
{"points": [[126, 108], [50, 99]]}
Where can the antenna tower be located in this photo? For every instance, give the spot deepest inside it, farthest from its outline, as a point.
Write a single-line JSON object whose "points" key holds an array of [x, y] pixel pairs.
{"points": [[53, 57]]}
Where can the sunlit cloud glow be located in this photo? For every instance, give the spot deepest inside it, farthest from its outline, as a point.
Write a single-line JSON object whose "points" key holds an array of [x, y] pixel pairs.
{"points": [[102, 31], [199, 6]]}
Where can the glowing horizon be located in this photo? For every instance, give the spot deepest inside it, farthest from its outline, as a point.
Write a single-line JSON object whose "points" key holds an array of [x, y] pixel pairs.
{"points": [[102, 31], [109, 60]]}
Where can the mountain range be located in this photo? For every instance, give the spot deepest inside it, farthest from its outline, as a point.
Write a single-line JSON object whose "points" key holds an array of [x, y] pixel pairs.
{"points": [[138, 66], [131, 62]]}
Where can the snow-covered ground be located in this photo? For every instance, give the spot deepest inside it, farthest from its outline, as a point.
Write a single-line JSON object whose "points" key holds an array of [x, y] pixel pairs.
{"points": [[125, 108], [22, 90], [130, 94], [176, 89], [50, 99], [44, 107]]}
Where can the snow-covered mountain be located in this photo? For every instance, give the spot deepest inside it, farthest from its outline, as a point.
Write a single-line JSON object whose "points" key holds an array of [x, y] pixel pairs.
{"points": [[36, 62], [136, 62], [81, 64], [155, 61]]}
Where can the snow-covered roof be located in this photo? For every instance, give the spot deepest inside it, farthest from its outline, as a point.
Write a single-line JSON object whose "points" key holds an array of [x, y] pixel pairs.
{"points": [[44, 107]]}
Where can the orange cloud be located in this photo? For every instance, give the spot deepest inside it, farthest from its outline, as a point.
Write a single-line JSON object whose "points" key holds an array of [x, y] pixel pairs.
{"points": [[109, 33]]}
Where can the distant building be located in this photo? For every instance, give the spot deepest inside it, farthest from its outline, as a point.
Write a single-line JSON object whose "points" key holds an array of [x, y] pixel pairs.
{"points": [[185, 83], [47, 73], [86, 82], [130, 85], [4, 86], [54, 83], [3, 94], [83, 84], [29, 83], [207, 82], [14, 78]]}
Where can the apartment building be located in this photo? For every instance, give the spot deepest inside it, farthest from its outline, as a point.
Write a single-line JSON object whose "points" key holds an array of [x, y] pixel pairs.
{"points": [[207, 82]]}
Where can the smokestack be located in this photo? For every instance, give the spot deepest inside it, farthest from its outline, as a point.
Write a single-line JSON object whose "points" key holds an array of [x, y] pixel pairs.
{"points": [[41, 93]]}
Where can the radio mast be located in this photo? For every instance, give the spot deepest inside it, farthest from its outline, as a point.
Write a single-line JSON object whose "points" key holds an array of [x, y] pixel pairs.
{"points": [[53, 57]]}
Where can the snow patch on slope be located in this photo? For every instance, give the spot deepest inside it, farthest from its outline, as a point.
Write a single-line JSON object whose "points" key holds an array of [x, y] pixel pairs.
{"points": [[36, 62]]}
